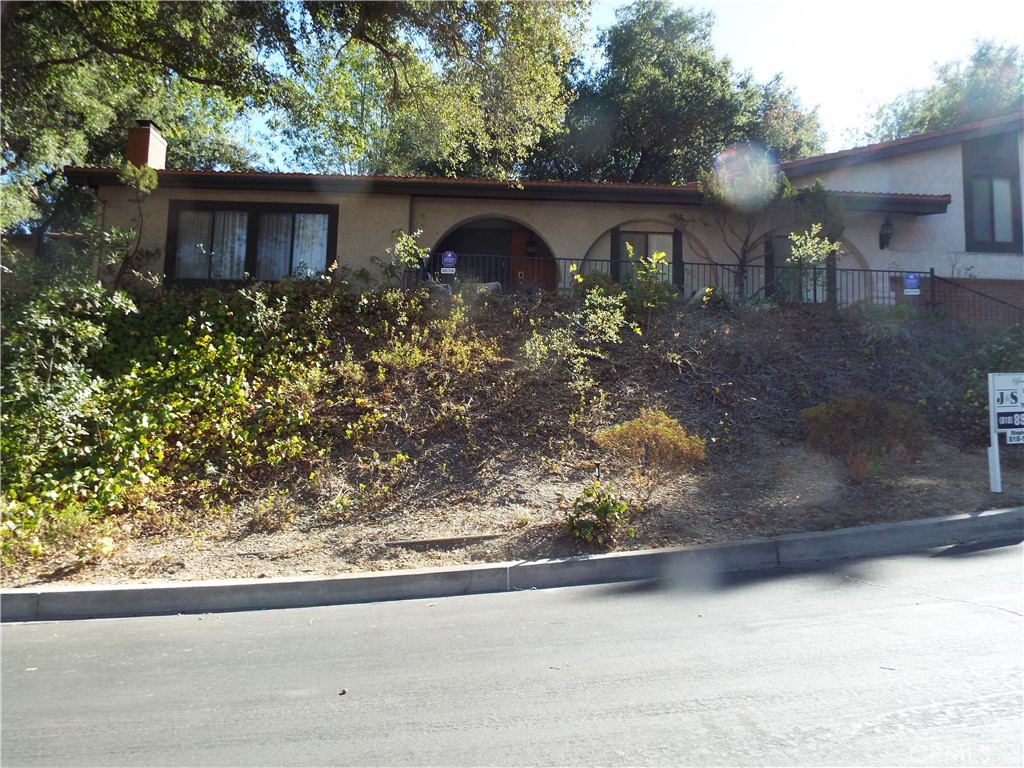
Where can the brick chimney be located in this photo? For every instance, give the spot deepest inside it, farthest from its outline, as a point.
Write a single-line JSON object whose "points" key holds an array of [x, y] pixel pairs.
{"points": [[146, 146]]}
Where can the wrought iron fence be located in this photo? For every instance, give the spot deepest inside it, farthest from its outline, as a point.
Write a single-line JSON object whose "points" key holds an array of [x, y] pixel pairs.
{"points": [[797, 284], [959, 301], [967, 300]]}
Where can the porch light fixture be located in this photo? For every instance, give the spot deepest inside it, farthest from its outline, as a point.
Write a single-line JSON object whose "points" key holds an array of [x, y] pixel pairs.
{"points": [[885, 234]]}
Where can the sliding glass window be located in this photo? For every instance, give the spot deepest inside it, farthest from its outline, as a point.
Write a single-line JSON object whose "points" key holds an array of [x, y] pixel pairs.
{"points": [[210, 241]]}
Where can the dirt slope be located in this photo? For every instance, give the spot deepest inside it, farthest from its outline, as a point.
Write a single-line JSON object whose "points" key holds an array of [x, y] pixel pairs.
{"points": [[484, 469]]}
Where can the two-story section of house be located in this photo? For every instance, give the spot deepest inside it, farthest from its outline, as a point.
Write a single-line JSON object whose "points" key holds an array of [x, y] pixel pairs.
{"points": [[978, 166]]}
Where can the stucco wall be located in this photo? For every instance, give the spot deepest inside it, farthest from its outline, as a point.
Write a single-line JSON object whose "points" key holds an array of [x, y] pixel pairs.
{"points": [[919, 243], [570, 230], [367, 222], [577, 230]]}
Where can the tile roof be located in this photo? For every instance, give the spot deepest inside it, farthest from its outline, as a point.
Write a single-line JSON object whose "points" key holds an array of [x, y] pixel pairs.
{"points": [[803, 166], [442, 187], [684, 194], [893, 202], [170, 173], [904, 146]]}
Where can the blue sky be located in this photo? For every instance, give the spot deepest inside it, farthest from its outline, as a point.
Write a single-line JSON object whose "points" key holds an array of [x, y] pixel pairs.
{"points": [[847, 58]]}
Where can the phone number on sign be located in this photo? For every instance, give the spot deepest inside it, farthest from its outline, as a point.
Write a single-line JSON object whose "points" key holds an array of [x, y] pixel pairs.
{"points": [[1009, 420]]}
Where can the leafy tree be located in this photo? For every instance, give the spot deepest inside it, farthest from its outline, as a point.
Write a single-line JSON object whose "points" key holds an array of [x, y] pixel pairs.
{"points": [[475, 106], [663, 106], [579, 149], [989, 84], [777, 121], [75, 75], [330, 113], [511, 90]]}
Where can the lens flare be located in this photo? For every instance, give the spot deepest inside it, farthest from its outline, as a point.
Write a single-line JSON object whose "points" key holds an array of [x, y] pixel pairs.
{"points": [[747, 176]]}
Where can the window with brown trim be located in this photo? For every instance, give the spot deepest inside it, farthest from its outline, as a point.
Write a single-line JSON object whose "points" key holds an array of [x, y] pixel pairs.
{"points": [[992, 202], [215, 240], [645, 245]]}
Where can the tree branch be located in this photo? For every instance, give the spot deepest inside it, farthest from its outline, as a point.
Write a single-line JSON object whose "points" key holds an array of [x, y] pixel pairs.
{"points": [[68, 60], [387, 56], [128, 53]]}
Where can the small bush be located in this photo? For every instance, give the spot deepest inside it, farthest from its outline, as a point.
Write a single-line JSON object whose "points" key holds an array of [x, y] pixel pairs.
{"points": [[579, 338], [596, 514], [272, 513], [648, 288], [585, 283], [715, 300], [864, 432], [1004, 353], [655, 447], [445, 348]]}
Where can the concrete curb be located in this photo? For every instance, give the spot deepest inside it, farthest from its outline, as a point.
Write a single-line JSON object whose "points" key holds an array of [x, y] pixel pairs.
{"points": [[109, 601]]}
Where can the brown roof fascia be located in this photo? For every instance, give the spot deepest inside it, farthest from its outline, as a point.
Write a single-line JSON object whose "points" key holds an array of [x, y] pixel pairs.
{"points": [[917, 205], [887, 149], [477, 189], [453, 188]]}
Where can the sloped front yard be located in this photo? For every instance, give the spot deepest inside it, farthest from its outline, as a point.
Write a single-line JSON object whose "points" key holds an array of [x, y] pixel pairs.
{"points": [[515, 513], [449, 434]]}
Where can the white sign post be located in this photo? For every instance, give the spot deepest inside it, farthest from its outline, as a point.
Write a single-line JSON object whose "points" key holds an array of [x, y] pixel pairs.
{"points": [[1005, 414]]}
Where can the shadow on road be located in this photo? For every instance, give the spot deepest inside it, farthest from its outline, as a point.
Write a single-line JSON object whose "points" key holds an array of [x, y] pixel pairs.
{"points": [[689, 579], [978, 547]]}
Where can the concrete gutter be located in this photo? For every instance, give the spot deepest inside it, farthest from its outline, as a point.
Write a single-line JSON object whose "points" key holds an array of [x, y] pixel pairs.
{"points": [[108, 601]]}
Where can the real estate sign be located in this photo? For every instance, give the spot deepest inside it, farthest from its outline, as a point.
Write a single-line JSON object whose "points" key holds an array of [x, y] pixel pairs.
{"points": [[1006, 399], [1006, 414]]}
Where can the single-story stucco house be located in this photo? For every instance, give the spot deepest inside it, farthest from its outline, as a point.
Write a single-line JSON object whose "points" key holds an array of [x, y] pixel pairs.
{"points": [[946, 203]]}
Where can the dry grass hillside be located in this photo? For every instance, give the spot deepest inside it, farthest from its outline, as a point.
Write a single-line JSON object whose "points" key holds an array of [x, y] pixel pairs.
{"points": [[454, 432]]}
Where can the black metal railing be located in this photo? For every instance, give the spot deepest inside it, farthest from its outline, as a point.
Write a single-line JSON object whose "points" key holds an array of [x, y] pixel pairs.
{"points": [[957, 300], [477, 267], [967, 300]]}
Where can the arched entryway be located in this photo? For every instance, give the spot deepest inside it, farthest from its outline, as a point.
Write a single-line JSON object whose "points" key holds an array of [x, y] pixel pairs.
{"points": [[498, 250]]}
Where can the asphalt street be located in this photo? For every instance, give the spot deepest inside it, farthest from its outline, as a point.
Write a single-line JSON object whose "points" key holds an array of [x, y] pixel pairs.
{"points": [[906, 660]]}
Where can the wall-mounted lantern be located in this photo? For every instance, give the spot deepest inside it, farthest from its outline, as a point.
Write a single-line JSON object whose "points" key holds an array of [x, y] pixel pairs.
{"points": [[885, 234]]}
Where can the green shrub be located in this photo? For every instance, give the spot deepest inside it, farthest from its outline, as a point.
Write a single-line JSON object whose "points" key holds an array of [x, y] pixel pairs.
{"points": [[864, 432], [579, 338], [1004, 353], [106, 401], [654, 448], [648, 290], [597, 514], [603, 281]]}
